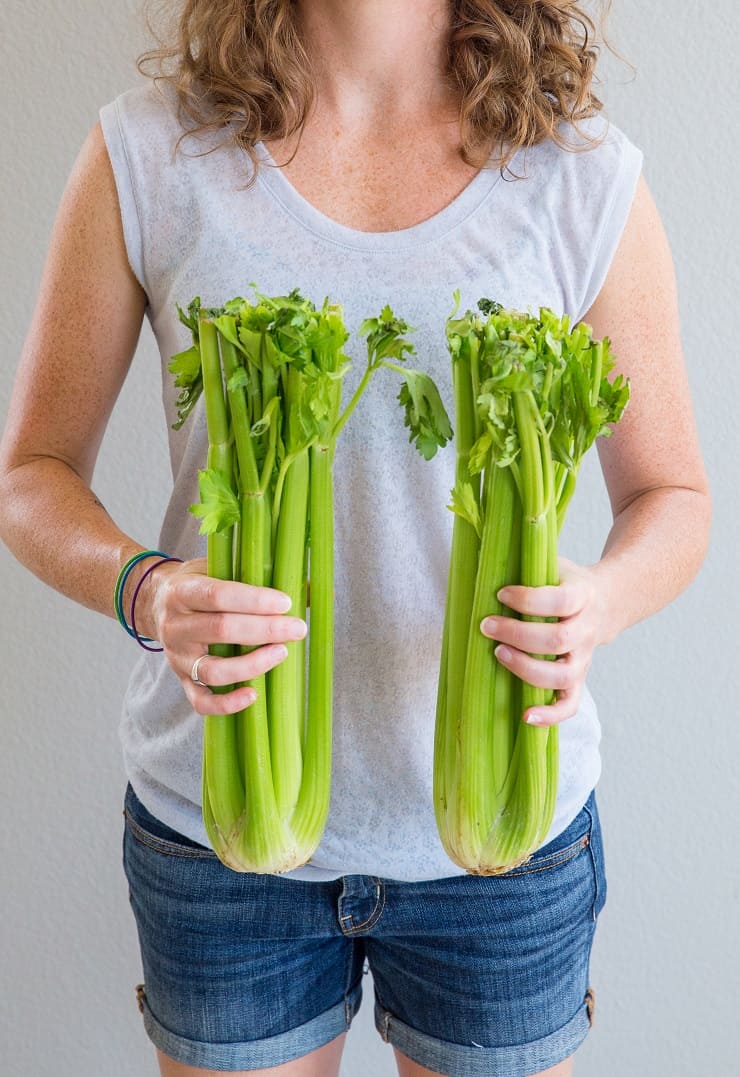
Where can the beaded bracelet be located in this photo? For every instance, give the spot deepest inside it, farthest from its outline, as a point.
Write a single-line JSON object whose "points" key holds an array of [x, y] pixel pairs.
{"points": [[144, 641], [123, 576]]}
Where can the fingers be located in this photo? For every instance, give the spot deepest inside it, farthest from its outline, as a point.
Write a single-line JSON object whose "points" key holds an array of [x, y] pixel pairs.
{"points": [[194, 611], [195, 591], [565, 706], [241, 629], [220, 672], [204, 701], [537, 637], [565, 676], [571, 635], [217, 672], [564, 600], [193, 608]]}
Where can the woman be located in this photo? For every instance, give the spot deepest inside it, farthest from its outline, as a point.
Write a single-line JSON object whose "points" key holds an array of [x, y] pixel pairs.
{"points": [[373, 202]]}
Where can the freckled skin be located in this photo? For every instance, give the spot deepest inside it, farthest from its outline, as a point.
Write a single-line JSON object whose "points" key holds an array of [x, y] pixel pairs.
{"points": [[382, 182]]}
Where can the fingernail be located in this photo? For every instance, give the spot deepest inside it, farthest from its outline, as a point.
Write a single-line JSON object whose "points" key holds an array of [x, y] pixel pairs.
{"points": [[503, 653], [488, 626], [251, 696], [503, 595], [280, 651], [534, 719], [283, 602], [298, 630]]}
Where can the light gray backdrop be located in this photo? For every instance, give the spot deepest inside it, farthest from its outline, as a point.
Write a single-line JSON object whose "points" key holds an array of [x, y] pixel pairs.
{"points": [[665, 967]]}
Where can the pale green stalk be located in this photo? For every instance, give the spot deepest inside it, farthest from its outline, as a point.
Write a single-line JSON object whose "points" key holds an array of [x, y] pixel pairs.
{"points": [[286, 681], [527, 793], [459, 604], [221, 764], [313, 802], [265, 844], [485, 726]]}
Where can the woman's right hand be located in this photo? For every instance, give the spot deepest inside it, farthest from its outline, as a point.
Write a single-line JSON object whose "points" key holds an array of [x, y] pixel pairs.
{"points": [[186, 611]]}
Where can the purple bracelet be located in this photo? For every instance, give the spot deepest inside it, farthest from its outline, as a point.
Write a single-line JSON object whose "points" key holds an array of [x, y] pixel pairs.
{"points": [[132, 618]]}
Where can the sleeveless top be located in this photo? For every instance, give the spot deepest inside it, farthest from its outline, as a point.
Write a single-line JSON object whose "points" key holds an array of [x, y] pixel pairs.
{"points": [[193, 226]]}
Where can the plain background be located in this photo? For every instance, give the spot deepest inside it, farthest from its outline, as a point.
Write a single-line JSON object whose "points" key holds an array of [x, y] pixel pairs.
{"points": [[665, 966]]}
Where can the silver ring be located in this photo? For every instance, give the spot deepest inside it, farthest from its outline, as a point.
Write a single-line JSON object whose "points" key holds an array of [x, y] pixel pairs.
{"points": [[194, 671]]}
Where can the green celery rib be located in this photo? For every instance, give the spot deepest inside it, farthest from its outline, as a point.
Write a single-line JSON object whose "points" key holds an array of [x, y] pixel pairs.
{"points": [[220, 762], [508, 694], [248, 473], [459, 605], [217, 417], [265, 845], [485, 713], [528, 786], [364, 382], [597, 362], [313, 802], [248, 484], [566, 493], [220, 758], [553, 737], [441, 792], [285, 683], [269, 377]]}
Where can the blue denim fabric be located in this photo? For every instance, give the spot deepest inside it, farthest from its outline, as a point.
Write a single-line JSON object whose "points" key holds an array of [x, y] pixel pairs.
{"points": [[474, 977]]}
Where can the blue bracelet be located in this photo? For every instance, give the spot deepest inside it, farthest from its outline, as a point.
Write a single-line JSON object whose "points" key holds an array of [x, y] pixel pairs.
{"points": [[123, 576]]}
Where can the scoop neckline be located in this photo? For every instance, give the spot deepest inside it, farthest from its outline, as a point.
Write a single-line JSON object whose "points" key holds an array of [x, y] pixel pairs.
{"points": [[314, 220]]}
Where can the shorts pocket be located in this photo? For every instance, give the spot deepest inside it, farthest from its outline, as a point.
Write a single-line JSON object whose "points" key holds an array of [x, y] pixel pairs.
{"points": [[150, 831], [596, 852], [553, 860], [574, 840]]}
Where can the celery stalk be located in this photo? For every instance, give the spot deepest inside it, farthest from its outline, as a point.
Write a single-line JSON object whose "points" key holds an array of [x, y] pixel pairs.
{"points": [[541, 396], [313, 801], [286, 683], [459, 604], [272, 437], [484, 727], [226, 799]]}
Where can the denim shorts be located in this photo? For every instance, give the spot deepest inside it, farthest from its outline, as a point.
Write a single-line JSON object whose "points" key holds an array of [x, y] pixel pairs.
{"points": [[473, 976]]}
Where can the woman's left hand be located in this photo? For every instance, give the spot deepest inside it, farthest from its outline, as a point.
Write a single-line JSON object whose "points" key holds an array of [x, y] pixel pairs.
{"points": [[580, 604]]}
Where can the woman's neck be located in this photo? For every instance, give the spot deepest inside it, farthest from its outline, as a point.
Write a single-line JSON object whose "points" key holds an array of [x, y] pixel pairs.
{"points": [[378, 60]]}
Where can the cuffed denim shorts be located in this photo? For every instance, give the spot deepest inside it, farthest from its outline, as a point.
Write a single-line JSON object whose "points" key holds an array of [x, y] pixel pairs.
{"points": [[474, 977]]}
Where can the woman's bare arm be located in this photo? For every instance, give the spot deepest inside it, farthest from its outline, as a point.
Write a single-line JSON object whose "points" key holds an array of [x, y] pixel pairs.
{"points": [[652, 464], [79, 348], [654, 474]]}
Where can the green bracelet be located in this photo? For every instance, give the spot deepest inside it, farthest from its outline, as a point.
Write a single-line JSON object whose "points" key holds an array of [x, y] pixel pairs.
{"points": [[123, 575]]}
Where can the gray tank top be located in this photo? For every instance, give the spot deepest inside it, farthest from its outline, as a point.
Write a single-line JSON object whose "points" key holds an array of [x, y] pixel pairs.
{"points": [[192, 227]]}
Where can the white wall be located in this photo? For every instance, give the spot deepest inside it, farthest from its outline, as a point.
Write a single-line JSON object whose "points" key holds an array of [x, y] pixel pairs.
{"points": [[667, 955]]}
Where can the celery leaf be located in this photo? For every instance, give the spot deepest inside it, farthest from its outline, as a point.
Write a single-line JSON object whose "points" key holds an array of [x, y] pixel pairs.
{"points": [[465, 504], [219, 506], [426, 417]]}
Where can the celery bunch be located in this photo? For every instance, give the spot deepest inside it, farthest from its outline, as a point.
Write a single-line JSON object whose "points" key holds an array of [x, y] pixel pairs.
{"points": [[271, 375], [531, 395]]}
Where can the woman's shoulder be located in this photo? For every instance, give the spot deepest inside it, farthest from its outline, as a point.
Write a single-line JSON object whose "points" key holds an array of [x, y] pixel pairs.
{"points": [[151, 114], [581, 177], [585, 149], [153, 101]]}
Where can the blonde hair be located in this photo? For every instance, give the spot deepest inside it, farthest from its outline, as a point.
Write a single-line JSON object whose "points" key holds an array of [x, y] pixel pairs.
{"points": [[520, 68]]}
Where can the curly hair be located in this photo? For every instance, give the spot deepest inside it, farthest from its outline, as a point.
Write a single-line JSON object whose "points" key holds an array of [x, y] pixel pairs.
{"points": [[520, 69]]}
